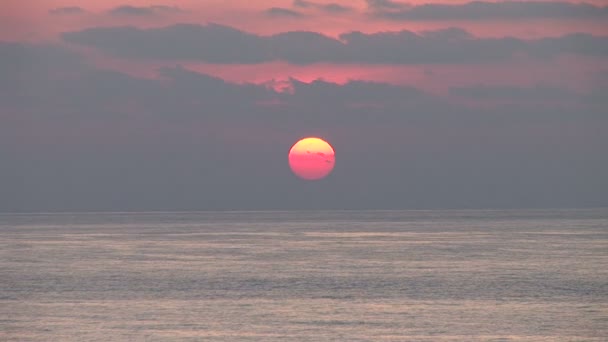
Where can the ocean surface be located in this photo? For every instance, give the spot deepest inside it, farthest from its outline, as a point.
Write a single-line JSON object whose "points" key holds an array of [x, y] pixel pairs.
{"points": [[537, 275]]}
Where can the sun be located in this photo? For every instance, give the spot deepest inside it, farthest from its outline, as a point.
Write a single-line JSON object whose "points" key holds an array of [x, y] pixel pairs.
{"points": [[311, 158]]}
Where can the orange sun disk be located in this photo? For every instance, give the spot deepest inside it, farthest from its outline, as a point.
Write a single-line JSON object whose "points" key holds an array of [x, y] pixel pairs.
{"points": [[311, 158]]}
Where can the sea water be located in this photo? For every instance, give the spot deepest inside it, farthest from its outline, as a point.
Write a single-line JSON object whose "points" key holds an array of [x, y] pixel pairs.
{"points": [[536, 275]]}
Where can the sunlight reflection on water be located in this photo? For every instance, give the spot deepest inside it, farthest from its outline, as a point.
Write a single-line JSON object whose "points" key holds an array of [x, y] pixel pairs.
{"points": [[305, 276]]}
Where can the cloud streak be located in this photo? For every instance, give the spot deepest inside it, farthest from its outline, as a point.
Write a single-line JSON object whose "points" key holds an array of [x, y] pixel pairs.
{"points": [[128, 10], [70, 10], [480, 10], [279, 12], [225, 45], [331, 8], [386, 5]]}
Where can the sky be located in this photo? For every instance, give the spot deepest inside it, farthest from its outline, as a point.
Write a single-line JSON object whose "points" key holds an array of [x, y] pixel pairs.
{"points": [[193, 105]]}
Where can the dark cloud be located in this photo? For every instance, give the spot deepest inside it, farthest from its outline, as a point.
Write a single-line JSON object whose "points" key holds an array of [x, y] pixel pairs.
{"points": [[331, 8], [576, 43], [360, 93], [221, 44], [303, 3], [29, 71], [302, 47], [212, 43], [211, 91], [444, 46], [278, 12], [144, 11], [67, 10], [73, 137], [514, 93], [479, 10], [386, 5], [336, 8], [599, 80], [20, 58]]}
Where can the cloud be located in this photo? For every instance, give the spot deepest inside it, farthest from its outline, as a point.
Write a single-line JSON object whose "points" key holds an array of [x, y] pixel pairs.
{"points": [[386, 4], [144, 11], [600, 78], [278, 12], [225, 45], [212, 43], [74, 137], [331, 8], [210, 90], [576, 43], [357, 92], [302, 47], [479, 10], [28, 71], [20, 57], [336, 8], [514, 93], [303, 3], [67, 10]]}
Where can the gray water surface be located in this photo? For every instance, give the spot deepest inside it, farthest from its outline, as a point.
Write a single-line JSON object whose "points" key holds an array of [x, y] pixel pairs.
{"points": [[305, 276]]}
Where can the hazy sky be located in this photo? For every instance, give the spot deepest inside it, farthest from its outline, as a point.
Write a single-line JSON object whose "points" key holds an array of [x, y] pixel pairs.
{"points": [[193, 105]]}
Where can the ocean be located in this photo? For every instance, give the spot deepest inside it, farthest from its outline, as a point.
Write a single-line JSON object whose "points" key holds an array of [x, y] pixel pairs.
{"points": [[461, 275]]}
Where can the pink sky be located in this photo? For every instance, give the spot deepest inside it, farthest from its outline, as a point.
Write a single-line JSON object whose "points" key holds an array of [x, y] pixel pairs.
{"points": [[23, 20], [26, 21]]}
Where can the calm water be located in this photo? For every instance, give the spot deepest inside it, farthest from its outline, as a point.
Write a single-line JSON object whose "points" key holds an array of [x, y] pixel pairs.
{"points": [[305, 276]]}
